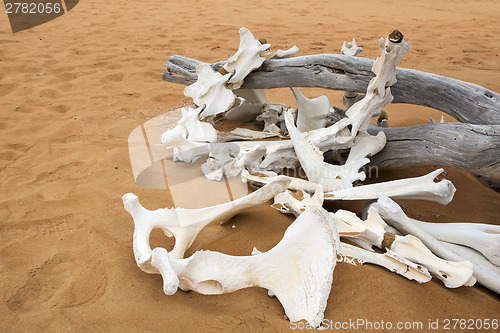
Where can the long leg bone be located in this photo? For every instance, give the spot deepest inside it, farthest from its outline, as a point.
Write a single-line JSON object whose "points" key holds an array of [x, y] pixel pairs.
{"points": [[418, 188], [405, 255], [484, 238], [421, 188], [185, 224], [298, 270], [393, 214]]}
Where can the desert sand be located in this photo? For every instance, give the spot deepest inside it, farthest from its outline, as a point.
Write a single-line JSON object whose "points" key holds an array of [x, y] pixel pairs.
{"points": [[66, 241]]}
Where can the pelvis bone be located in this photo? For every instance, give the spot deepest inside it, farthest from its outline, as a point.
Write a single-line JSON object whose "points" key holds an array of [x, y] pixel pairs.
{"points": [[185, 224], [298, 270]]}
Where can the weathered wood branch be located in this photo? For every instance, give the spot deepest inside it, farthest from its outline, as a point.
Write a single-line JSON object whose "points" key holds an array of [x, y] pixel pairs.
{"points": [[466, 102], [475, 148]]}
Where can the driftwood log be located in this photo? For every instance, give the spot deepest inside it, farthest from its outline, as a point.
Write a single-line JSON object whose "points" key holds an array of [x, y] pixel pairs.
{"points": [[466, 102], [473, 145], [475, 148]]}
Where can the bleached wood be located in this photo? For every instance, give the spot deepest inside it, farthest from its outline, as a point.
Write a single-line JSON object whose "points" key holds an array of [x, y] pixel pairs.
{"points": [[475, 148], [466, 102]]}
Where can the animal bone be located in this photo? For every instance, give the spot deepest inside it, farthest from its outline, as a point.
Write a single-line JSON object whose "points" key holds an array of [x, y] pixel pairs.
{"points": [[417, 188], [393, 214], [350, 97], [485, 272], [196, 129], [246, 59], [298, 270], [330, 176], [185, 224], [403, 252], [365, 145], [311, 113], [389, 260], [210, 91], [484, 238], [280, 54]]}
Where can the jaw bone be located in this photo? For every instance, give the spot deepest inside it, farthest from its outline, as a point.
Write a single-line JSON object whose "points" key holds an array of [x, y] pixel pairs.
{"points": [[185, 224], [332, 177], [298, 270]]}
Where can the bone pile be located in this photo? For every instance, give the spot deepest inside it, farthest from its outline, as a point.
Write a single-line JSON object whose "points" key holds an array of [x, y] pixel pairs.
{"points": [[299, 269]]}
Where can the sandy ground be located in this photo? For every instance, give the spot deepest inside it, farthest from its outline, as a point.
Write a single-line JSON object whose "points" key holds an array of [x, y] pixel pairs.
{"points": [[66, 241]]}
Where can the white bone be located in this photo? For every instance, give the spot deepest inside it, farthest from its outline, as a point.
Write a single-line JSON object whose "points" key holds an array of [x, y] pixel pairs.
{"points": [[366, 145], [330, 176], [453, 274], [298, 270], [485, 272], [246, 134], [210, 91], [246, 59], [351, 48], [196, 129], [272, 115], [185, 224], [280, 54], [285, 202], [389, 260], [394, 215], [367, 233], [419, 188], [311, 113], [484, 238], [377, 95]]}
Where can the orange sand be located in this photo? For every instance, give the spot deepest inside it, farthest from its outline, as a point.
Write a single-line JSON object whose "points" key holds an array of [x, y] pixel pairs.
{"points": [[66, 241]]}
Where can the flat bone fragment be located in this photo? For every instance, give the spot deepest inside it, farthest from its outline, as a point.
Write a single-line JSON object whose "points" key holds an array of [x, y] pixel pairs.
{"points": [[389, 260], [330, 176], [366, 145], [311, 113], [210, 92], [392, 213], [246, 59], [197, 130], [185, 224], [484, 238], [298, 270]]}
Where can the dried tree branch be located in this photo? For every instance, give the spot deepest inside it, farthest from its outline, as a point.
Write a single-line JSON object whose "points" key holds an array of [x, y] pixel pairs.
{"points": [[475, 148], [466, 102]]}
